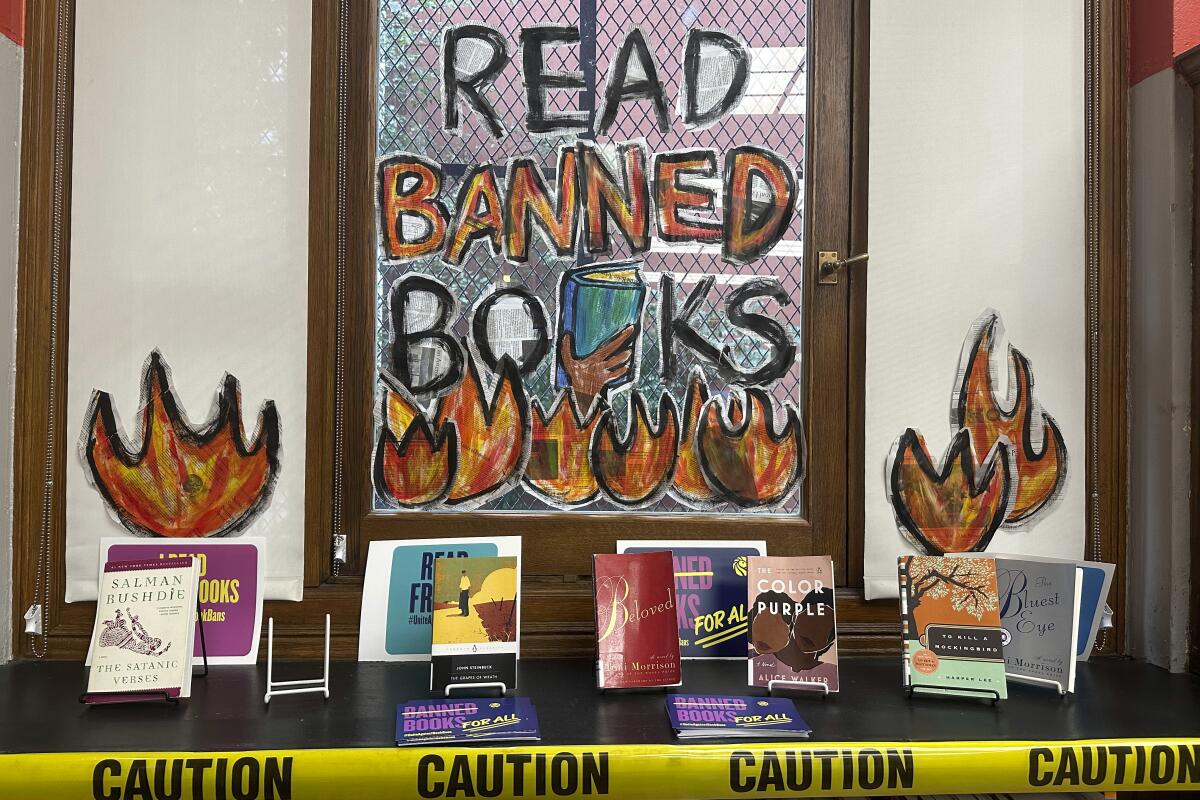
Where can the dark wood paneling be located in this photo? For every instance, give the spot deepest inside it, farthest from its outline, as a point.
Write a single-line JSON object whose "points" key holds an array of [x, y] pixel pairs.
{"points": [[1189, 67], [45, 163], [1108, 485]]}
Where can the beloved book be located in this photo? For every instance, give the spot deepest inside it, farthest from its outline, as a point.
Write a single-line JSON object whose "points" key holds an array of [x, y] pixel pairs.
{"points": [[792, 621], [637, 639], [1039, 611], [595, 302], [950, 623], [476, 622], [396, 623], [145, 621], [423, 722], [231, 588], [717, 716], [710, 593]]}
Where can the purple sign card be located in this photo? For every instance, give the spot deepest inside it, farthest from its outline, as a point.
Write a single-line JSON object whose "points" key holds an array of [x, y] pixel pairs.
{"points": [[231, 588]]}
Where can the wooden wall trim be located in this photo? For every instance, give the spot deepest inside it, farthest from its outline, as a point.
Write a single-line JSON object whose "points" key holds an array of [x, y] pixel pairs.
{"points": [[45, 154], [1188, 66], [1108, 486]]}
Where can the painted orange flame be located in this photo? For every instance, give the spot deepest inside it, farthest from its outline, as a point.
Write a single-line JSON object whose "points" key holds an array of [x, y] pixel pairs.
{"points": [[743, 459], [414, 466], [953, 509], [559, 469], [493, 437], [637, 471], [688, 484], [1038, 476], [182, 481]]}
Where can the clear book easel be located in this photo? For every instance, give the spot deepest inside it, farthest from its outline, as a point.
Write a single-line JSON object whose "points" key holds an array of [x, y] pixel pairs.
{"points": [[1053, 684], [799, 686], [275, 688], [476, 687]]}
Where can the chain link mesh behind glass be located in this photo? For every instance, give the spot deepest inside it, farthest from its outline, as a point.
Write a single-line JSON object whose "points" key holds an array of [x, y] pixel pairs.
{"points": [[772, 114]]}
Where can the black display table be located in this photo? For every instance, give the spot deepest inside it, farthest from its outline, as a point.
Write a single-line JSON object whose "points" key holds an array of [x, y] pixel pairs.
{"points": [[1129, 726]]}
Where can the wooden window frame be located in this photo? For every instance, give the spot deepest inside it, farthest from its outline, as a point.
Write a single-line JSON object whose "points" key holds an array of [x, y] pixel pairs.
{"points": [[557, 555]]}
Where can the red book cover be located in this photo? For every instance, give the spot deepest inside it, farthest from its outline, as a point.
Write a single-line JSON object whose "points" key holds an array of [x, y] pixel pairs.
{"points": [[637, 635]]}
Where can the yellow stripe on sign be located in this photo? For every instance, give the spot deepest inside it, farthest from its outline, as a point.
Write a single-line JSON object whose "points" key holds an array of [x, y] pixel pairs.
{"points": [[721, 636], [628, 772]]}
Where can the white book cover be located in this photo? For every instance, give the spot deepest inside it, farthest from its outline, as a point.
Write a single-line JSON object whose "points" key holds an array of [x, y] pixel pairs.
{"points": [[145, 623]]}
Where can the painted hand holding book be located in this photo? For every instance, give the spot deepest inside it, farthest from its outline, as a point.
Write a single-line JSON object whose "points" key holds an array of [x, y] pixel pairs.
{"points": [[950, 621], [718, 717], [637, 637], [710, 592], [507, 719], [145, 622], [1039, 609], [476, 622], [792, 621]]}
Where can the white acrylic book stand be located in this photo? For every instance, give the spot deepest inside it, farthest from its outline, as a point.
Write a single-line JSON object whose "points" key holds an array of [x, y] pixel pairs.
{"points": [[293, 687]]}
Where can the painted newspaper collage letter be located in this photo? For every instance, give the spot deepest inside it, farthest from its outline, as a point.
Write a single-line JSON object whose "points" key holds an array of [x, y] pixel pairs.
{"points": [[589, 257]]}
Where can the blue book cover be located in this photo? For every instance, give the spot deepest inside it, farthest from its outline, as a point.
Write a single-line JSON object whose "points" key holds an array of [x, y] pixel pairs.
{"points": [[710, 590], [595, 302], [466, 720], [718, 716]]}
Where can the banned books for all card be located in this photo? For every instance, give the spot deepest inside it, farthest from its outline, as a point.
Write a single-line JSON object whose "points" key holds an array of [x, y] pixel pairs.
{"points": [[145, 621]]}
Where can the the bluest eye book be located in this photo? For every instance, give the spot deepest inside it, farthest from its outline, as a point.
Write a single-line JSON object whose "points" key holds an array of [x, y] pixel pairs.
{"points": [[493, 719], [696, 716]]}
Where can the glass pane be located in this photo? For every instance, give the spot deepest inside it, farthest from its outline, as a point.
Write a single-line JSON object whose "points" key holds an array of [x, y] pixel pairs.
{"points": [[753, 466]]}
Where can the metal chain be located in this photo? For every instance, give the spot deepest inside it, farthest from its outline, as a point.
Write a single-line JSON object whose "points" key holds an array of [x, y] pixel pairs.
{"points": [[40, 644], [1091, 90], [339, 366]]}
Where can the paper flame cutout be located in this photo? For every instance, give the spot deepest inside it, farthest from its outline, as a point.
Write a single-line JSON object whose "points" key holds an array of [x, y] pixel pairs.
{"points": [[1039, 476], [560, 469], [181, 481], [414, 466], [742, 457], [493, 436], [955, 508], [637, 470]]}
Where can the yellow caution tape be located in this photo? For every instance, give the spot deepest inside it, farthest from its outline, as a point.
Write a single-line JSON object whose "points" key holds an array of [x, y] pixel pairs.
{"points": [[628, 772]]}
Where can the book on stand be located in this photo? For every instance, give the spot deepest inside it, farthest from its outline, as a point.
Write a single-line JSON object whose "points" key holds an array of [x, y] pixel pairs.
{"points": [[792, 622], [637, 636], [1039, 611], [950, 624], [145, 623], [476, 623]]}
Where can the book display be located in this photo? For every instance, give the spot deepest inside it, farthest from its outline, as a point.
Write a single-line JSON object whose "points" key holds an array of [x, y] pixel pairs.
{"points": [[792, 621], [950, 619], [145, 624], [637, 635], [476, 623], [1039, 611]]}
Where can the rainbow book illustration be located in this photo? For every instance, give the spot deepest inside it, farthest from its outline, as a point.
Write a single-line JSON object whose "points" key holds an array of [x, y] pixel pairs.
{"points": [[595, 302]]}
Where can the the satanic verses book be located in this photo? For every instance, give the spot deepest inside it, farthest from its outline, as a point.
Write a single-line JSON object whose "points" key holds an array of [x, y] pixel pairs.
{"points": [[950, 621], [792, 621], [476, 622], [145, 621], [637, 637]]}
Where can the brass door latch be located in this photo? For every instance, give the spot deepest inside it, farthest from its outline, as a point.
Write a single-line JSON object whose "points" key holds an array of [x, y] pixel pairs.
{"points": [[828, 265]]}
